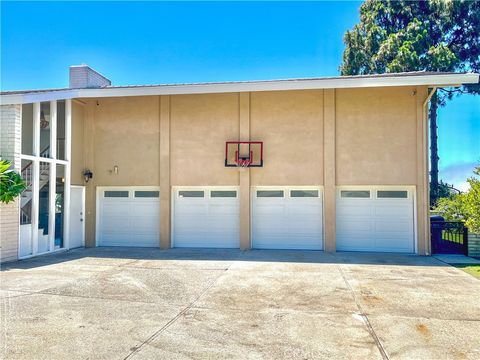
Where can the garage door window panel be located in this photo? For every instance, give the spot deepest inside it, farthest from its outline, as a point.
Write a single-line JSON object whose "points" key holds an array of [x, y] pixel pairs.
{"points": [[191, 194], [147, 194], [115, 194], [223, 194], [392, 194], [355, 194], [304, 193], [270, 193]]}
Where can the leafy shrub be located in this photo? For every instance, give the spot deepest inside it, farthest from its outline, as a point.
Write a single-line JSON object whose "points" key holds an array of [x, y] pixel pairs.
{"points": [[11, 183], [464, 207]]}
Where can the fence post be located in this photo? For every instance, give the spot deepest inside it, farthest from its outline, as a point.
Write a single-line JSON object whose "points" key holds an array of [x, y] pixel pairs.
{"points": [[465, 240]]}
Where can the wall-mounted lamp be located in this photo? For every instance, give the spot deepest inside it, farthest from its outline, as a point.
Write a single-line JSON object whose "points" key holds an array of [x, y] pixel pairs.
{"points": [[87, 175], [115, 169]]}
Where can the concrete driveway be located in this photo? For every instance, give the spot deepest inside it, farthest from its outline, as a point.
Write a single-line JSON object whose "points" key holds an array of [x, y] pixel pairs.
{"points": [[195, 304]]}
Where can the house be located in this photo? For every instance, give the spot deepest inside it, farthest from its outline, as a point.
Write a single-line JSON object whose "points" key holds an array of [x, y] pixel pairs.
{"points": [[334, 164]]}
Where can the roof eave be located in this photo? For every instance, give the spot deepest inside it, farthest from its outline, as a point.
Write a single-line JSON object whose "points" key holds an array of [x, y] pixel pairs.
{"points": [[445, 80]]}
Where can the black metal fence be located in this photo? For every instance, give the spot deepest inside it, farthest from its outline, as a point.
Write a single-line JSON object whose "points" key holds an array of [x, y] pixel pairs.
{"points": [[449, 237]]}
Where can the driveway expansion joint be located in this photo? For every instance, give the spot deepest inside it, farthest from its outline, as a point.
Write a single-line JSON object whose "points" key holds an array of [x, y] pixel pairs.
{"points": [[175, 318], [365, 319]]}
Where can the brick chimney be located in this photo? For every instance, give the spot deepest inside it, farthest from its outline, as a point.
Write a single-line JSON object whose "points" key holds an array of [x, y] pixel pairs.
{"points": [[83, 76]]}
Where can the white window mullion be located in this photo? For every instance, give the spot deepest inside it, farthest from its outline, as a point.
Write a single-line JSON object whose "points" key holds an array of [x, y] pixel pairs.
{"points": [[51, 206], [53, 129], [68, 158], [35, 200]]}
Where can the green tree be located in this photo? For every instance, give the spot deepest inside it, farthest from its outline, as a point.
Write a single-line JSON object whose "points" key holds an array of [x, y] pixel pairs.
{"points": [[11, 183], [464, 207], [432, 35]]}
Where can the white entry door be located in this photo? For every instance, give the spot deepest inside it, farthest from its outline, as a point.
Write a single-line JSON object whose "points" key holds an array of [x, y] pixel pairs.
{"points": [[375, 219], [77, 217], [128, 216], [287, 218], [206, 217]]}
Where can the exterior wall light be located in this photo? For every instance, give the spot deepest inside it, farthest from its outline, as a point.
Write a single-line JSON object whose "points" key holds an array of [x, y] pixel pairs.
{"points": [[87, 175]]}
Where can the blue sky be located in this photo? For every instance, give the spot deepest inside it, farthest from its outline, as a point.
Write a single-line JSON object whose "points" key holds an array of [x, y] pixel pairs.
{"points": [[148, 43]]}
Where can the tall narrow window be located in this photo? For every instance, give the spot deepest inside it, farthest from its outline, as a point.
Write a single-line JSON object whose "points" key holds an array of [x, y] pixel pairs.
{"points": [[61, 130], [43, 207], [27, 129], [59, 205], [45, 121]]}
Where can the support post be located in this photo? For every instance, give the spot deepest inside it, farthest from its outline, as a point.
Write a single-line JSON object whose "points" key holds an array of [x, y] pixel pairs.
{"points": [[244, 175], [164, 176], [329, 172]]}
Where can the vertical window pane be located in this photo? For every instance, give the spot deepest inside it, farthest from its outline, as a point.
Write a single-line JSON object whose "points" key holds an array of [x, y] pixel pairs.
{"points": [[26, 199], [61, 130], [43, 207], [45, 129], [59, 205], [27, 129]]}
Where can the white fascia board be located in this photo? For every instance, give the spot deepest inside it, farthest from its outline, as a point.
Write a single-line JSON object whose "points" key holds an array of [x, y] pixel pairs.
{"points": [[281, 85], [33, 97], [439, 80]]}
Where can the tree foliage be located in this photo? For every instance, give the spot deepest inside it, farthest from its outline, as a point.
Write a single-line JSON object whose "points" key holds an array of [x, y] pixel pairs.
{"points": [[464, 207], [397, 36], [11, 183]]}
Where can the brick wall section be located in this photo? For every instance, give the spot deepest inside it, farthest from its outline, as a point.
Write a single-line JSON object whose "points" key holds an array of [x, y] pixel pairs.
{"points": [[83, 76], [10, 148], [474, 245]]}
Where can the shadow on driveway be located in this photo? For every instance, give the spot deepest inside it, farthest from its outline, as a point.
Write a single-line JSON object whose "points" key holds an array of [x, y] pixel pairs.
{"points": [[191, 254]]}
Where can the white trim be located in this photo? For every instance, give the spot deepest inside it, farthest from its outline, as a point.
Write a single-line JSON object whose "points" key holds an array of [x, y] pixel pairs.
{"points": [[52, 193], [446, 80], [53, 129], [36, 130]]}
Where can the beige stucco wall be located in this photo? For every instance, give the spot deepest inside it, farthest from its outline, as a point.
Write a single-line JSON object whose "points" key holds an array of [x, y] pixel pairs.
{"points": [[78, 155], [371, 138], [290, 123], [199, 127], [376, 136]]}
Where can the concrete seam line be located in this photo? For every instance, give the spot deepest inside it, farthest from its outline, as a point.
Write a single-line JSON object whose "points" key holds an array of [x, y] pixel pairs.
{"points": [[175, 318], [365, 318]]}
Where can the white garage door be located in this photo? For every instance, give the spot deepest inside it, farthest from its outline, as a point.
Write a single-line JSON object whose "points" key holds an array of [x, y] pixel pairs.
{"points": [[375, 219], [206, 217], [128, 216], [287, 218]]}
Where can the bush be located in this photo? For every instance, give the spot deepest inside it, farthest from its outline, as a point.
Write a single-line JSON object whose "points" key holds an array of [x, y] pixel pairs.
{"points": [[464, 207], [11, 183]]}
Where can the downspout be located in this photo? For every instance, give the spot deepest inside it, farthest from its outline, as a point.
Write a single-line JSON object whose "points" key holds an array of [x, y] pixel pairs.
{"points": [[425, 136]]}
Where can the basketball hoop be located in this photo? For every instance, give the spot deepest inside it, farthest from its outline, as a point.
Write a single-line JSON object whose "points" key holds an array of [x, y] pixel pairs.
{"points": [[243, 162]]}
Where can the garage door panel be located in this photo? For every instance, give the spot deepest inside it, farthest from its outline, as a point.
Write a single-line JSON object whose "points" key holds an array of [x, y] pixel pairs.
{"points": [[287, 222], [115, 209], [211, 221], [376, 224], [128, 220]]}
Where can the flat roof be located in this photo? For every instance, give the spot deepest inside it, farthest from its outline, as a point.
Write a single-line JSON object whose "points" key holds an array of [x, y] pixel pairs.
{"points": [[420, 78]]}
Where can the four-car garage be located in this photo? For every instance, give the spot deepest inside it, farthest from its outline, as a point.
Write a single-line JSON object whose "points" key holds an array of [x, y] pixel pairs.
{"points": [[368, 218]]}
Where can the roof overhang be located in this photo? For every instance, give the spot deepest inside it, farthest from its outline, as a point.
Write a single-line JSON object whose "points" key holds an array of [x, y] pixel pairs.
{"points": [[391, 80]]}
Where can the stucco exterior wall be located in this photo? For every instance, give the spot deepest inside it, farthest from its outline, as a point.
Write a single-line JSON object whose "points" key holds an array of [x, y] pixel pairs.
{"points": [[78, 153], [290, 123], [126, 135], [199, 127], [376, 136], [373, 136]]}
